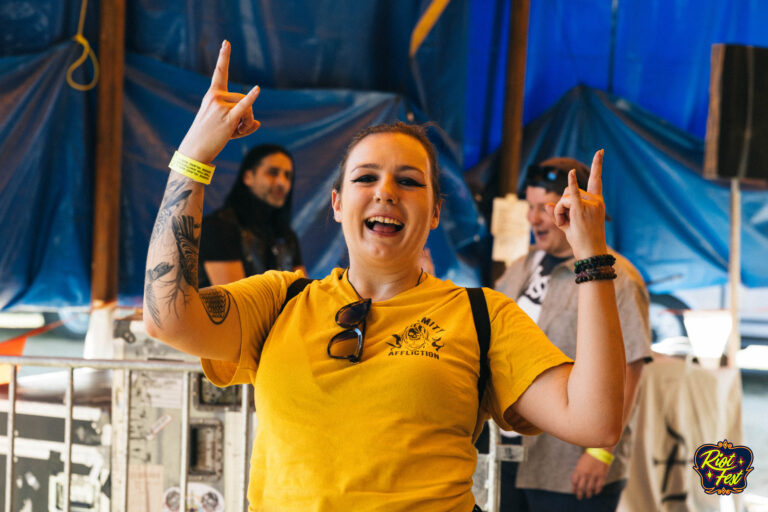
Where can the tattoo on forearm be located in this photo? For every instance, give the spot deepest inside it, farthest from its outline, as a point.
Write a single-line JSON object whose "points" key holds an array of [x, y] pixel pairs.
{"points": [[178, 269], [152, 276], [184, 233], [216, 302], [187, 255], [174, 199]]}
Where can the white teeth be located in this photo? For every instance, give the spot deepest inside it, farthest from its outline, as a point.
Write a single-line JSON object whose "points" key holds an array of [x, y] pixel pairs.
{"points": [[385, 220]]}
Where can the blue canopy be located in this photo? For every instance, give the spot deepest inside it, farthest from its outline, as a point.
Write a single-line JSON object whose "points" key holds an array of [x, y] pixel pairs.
{"points": [[315, 125], [46, 181], [324, 80], [669, 221], [46, 188]]}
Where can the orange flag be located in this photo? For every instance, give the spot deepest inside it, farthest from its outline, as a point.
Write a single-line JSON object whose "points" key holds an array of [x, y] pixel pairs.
{"points": [[15, 347], [12, 347]]}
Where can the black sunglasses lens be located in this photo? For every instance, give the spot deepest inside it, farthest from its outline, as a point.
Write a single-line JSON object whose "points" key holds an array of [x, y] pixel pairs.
{"points": [[536, 173], [352, 314], [547, 177], [348, 344], [345, 345]]}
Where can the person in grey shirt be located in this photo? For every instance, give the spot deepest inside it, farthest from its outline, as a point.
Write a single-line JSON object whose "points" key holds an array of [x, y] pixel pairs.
{"points": [[556, 475]]}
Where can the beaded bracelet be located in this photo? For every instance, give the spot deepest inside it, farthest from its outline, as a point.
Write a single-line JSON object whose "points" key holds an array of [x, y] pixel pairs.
{"points": [[597, 274], [601, 260]]}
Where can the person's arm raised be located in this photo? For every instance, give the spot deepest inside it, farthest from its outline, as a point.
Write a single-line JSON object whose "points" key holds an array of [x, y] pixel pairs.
{"points": [[204, 323], [583, 404], [223, 272]]}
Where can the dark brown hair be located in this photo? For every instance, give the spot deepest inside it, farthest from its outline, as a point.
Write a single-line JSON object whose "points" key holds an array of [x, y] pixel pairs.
{"points": [[240, 195], [416, 131]]}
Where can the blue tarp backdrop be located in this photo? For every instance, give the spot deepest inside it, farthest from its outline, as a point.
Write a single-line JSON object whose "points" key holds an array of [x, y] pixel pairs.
{"points": [[320, 67], [46, 187], [669, 221], [654, 53], [660, 49], [315, 125], [46, 176]]}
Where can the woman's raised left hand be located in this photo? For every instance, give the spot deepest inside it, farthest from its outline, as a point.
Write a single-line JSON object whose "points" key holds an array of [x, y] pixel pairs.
{"points": [[581, 213]]}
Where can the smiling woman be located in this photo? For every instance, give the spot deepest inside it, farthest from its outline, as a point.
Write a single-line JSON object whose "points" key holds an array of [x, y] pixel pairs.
{"points": [[371, 384], [386, 203]]}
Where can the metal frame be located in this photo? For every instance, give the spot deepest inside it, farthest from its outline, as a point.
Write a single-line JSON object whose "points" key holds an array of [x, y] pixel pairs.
{"points": [[11, 436], [128, 367], [188, 369]]}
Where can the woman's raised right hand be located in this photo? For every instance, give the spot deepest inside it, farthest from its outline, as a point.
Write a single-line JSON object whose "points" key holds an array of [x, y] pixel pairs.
{"points": [[581, 213], [222, 116]]}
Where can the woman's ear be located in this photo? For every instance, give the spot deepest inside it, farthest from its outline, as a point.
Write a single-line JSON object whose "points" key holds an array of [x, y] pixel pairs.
{"points": [[336, 205], [436, 215]]}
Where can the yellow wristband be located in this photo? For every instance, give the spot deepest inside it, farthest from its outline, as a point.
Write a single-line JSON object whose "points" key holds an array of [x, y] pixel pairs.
{"points": [[602, 455], [192, 169]]}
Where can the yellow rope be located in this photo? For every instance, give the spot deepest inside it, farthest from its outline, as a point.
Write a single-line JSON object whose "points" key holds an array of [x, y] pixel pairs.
{"points": [[87, 52], [425, 24]]}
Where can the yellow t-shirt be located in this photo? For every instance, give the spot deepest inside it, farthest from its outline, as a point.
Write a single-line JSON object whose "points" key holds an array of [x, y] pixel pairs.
{"points": [[393, 432]]}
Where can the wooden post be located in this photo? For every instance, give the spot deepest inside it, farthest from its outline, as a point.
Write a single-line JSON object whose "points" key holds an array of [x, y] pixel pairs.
{"points": [[512, 129], [106, 232], [512, 133], [109, 133], [734, 273]]}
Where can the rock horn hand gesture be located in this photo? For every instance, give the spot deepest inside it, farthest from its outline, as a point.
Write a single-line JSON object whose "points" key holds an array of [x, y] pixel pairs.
{"points": [[581, 213], [222, 116]]}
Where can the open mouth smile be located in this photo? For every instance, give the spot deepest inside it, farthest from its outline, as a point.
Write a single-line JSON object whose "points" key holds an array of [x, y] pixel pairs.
{"points": [[383, 225]]}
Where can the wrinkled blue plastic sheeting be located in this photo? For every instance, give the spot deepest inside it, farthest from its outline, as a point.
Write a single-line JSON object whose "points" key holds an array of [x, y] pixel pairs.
{"points": [[315, 125], [661, 57], [661, 52], [349, 44], [669, 221], [46, 171], [32, 26]]}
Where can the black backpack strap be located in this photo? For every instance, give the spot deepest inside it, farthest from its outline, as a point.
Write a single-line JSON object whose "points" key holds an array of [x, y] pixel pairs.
{"points": [[483, 329], [294, 289]]}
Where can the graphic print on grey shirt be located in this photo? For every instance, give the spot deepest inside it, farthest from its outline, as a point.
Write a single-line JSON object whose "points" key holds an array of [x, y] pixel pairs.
{"points": [[536, 288]]}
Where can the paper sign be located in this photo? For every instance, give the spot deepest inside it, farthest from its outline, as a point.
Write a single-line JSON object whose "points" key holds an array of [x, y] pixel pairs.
{"points": [[163, 391], [510, 229]]}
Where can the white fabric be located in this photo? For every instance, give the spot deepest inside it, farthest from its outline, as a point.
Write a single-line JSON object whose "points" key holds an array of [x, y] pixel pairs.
{"points": [[681, 406]]}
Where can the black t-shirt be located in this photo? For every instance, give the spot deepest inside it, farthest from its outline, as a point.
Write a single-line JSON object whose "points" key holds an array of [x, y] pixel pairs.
{"points": [[219, 240], [224, 239]]}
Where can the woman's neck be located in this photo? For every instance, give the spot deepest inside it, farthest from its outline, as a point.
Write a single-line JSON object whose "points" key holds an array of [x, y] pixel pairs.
{"points": [[382, 285]]}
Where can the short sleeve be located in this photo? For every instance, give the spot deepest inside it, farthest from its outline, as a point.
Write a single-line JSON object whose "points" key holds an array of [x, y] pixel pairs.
{"points": [[219, 240], [258, 300], [633, 303], [519, 352]]}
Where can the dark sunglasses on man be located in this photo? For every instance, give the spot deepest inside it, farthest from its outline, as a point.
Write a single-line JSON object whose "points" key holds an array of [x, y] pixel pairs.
{"points": [[552, 178]]}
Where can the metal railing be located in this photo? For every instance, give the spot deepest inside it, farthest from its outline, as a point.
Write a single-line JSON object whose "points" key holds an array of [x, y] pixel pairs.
{"points": [[124, 408]]}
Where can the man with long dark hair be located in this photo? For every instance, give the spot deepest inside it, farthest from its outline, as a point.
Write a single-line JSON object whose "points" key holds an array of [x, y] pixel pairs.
{"points": [[251, 233]]}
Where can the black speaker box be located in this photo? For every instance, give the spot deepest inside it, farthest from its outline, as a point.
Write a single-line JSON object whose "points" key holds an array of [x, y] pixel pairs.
{"points": [[737, 124]]}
